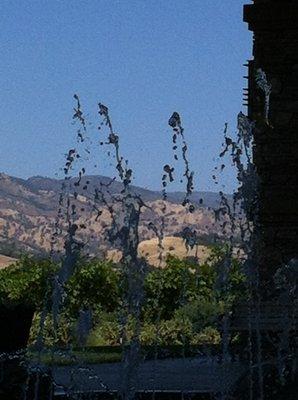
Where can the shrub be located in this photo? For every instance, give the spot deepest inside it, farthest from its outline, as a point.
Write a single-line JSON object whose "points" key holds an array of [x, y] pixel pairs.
{"points": [[207, 336], [202, 312], [63, 335], [107, 332]]}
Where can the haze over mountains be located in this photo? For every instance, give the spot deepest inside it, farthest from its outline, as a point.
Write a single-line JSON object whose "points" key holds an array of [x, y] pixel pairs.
{"points": [[28, 211]]}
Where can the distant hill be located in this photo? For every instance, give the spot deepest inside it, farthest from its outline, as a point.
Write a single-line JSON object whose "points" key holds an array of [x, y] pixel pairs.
{"points": [[6, 261], [28, 210], [37, 183]]}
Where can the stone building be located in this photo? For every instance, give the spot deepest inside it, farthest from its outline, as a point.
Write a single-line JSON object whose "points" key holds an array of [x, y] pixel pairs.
{"points": [[275, 50]]}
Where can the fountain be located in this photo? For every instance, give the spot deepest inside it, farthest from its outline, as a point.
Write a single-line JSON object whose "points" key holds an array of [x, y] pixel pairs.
{"points": [[264, 365]]}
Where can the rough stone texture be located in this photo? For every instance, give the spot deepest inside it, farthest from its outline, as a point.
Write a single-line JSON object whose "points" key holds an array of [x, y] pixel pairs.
{"points": [[275, 27]]}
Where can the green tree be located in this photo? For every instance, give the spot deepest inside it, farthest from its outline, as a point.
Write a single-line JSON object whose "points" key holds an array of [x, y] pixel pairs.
{"points": [[94, 285], [168, 288], [27, 281]]}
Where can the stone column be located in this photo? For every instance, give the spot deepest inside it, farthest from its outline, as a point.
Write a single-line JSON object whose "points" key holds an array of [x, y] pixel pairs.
{"points": [[275, 51]]}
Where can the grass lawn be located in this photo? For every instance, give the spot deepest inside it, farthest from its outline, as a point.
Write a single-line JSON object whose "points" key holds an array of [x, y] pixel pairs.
{"points": [[68, 357], [111, 354]]}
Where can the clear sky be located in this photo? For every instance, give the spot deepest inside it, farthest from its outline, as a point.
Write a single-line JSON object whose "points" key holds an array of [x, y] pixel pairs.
{"points": [[142, 58]]}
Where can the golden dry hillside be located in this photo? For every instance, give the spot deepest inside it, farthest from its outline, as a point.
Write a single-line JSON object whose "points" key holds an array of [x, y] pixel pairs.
{"points": [[150, 250], [6, 261], [28, 212]]}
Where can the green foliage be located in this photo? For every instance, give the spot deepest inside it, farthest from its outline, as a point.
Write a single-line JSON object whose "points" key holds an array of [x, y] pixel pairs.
{"points": [[183, 282], [94, 285], [27, 281], [202, 312], [106, 332], [169, 332], [149, 333], [183, 301], [206, 336], [96, 355], [229, 281], [175, 331], [167, 288], [62, 335], [178, 331]]}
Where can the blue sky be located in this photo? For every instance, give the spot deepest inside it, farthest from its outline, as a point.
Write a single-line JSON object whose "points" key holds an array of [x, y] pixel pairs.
{"points": [[144, 59]]}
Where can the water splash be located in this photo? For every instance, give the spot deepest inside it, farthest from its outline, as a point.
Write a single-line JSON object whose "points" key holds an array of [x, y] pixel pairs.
{"points": [[238, 219], [265, 86]]}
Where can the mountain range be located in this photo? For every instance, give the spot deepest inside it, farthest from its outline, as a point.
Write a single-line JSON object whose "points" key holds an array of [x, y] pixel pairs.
{"points": [[29, 208]]}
